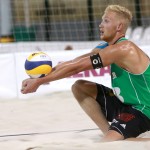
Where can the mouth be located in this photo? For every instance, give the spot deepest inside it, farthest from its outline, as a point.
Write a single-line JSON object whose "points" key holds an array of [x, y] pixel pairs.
{"points": [[101, 32]]}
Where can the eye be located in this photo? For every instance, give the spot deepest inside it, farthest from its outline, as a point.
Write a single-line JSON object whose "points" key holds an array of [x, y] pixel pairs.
{"points": [[106, 20]]}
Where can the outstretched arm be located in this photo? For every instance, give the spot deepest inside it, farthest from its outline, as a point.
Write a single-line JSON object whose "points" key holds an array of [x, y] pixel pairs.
{"points": [[60, 71], [68, 68]]}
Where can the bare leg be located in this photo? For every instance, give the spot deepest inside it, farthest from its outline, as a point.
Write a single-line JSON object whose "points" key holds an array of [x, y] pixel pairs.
{"points": [[112, 136], [115, 136], [85, 92]]}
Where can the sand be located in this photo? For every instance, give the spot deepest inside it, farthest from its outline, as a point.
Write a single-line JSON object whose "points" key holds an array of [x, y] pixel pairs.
{"points": [[53, 122]]}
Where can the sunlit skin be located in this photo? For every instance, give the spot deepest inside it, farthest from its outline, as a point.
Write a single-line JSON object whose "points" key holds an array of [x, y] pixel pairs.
{"points": [[125, 54], [109, 27]]}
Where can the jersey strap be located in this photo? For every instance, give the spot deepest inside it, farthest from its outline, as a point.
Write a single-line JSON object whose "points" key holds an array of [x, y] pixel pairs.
{"points": [[121, 39]]}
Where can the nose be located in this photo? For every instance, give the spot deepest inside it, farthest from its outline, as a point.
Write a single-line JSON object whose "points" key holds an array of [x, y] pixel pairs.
{"points": [[100, 25]]}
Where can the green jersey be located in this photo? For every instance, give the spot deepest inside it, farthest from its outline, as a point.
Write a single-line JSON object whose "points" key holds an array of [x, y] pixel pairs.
{"points": [[132, 89]]}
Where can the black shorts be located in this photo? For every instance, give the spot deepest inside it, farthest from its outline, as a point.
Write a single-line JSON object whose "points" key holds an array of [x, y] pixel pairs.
{"points": [[124, 119]]}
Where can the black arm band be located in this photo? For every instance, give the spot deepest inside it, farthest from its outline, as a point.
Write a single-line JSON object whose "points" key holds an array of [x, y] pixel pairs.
{"points": [[96, 61]]}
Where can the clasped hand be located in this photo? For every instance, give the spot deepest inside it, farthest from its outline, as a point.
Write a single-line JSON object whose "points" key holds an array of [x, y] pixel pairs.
{"points": [[29, 86]]}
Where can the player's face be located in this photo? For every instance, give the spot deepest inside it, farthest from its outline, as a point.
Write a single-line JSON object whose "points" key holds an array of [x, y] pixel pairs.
{"points": [[108, 26]]}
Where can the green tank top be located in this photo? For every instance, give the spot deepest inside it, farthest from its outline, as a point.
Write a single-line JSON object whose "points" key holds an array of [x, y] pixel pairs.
{"points": [[132, 89]]}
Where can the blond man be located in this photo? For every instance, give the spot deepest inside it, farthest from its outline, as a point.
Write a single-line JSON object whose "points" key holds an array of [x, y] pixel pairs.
{"points": [[122, 112]]}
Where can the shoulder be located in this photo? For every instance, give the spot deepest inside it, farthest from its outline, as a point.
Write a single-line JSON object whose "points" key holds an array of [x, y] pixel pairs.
{"points": [[119, 52], [125, 45], [123, 48]]}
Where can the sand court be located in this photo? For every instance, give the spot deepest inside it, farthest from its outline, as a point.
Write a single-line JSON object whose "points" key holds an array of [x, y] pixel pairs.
{"points": [[53, 122]]}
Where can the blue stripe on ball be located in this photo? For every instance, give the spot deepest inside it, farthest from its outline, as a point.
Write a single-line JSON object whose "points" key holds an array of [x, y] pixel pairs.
{"points": [[31, 65]]}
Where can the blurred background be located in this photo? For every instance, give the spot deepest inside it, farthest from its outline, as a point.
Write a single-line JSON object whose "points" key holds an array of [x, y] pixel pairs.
{"points": [[66, 20], [64, 29]]}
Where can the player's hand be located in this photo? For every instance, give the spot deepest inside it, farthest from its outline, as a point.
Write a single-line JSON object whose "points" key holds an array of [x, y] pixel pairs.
{"points": [[29, 86]]}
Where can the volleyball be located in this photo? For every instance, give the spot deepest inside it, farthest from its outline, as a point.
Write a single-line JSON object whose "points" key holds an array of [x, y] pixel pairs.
{"points": [[38, 65]]}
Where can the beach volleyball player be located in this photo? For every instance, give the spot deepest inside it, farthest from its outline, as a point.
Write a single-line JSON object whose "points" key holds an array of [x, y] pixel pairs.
{"points": [[122, 112]]}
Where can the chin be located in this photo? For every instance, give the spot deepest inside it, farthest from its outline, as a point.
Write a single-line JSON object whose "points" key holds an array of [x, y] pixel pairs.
{"points": [[102, 38]]}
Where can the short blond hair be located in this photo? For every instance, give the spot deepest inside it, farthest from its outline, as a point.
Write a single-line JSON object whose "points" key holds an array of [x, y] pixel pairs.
{"points": [[121, 11]]}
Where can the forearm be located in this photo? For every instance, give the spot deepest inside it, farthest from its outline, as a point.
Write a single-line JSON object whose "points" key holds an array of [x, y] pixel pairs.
{"points": [[76, 59], [67, 69]]}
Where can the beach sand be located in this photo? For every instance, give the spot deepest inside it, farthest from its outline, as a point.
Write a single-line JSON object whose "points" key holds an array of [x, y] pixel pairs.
{"points": [[53, 122]]}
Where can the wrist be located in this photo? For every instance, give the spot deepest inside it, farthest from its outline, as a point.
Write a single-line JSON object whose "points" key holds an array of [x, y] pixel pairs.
{"points": [[40, 81]]}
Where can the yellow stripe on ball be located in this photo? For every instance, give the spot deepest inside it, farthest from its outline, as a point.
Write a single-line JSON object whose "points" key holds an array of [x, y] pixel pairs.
{"points": [[34, 55], [43, 69]]}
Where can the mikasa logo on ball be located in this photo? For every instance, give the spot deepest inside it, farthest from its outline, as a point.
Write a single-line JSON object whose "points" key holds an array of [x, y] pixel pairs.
{"points": [[43, 56]]}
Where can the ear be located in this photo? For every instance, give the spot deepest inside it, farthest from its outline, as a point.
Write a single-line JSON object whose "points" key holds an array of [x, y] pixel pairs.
{"points": [[119, 27]]}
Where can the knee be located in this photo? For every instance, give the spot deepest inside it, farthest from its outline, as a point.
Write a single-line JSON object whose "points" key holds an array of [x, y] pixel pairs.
{"points": [[77, 86], [78, 90]]}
